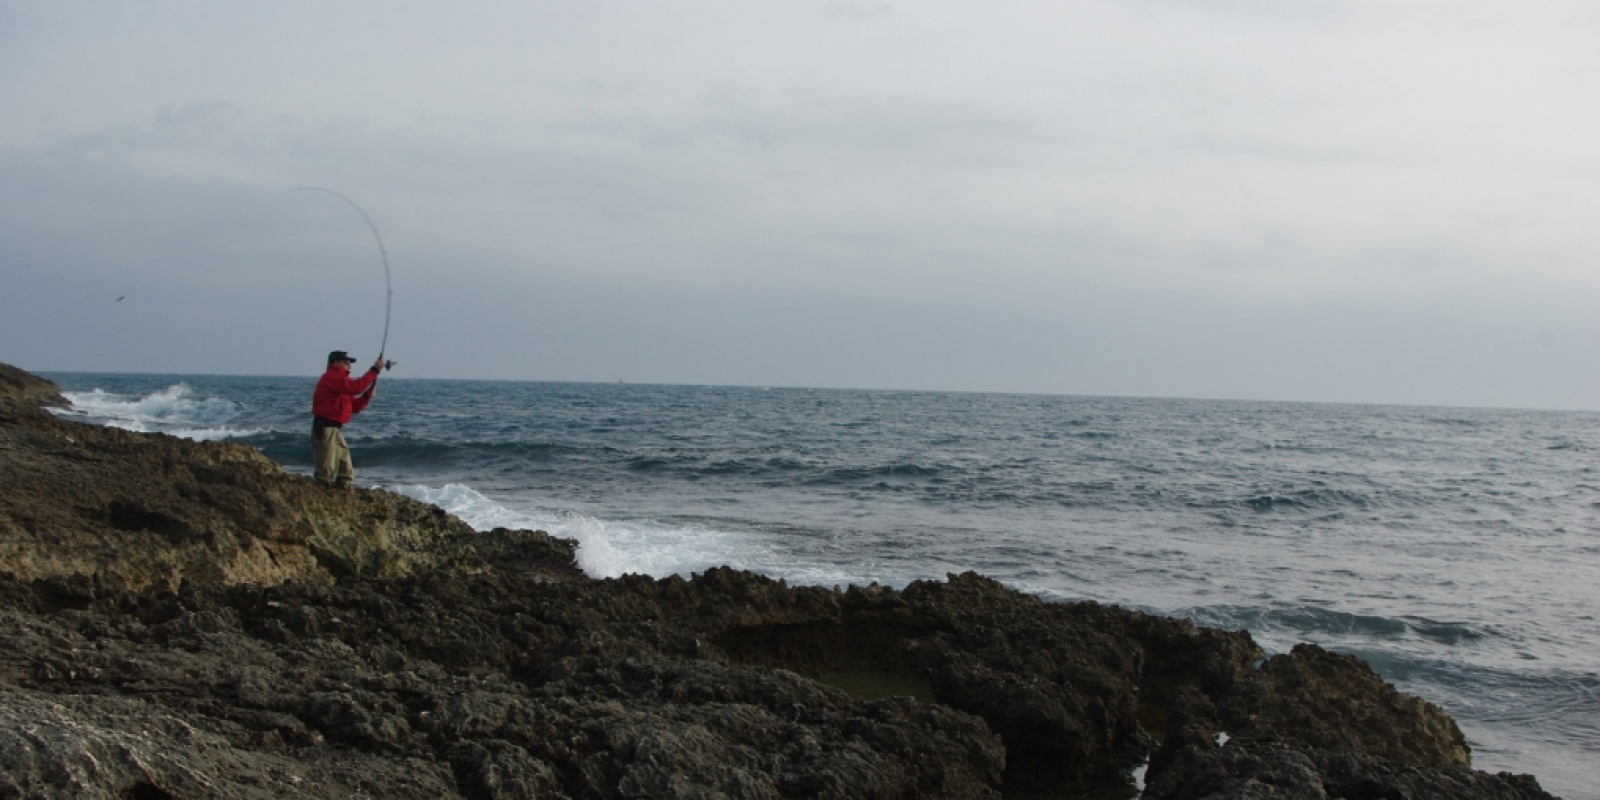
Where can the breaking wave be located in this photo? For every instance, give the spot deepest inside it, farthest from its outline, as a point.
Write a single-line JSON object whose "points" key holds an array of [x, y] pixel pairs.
{"points": [[174, 410], [606, 548]]}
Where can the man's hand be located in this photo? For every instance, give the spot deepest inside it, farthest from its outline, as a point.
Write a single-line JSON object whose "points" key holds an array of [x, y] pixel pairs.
{"points": [[377, 366]]}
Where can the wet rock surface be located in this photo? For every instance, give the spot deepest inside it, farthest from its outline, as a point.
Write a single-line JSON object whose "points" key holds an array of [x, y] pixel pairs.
{"points": [[185, 620]]}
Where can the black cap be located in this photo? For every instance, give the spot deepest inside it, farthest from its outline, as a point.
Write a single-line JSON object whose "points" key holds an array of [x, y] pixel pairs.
{"points": [[340, 355]]}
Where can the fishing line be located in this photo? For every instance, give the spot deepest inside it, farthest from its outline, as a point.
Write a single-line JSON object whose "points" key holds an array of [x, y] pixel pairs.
{"points": [[388, 286]]}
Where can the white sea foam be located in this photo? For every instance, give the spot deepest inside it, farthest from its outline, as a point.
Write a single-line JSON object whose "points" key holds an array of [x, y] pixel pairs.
{"points": [[173, 410], [466, 503], [611, 548], [606, 548]]}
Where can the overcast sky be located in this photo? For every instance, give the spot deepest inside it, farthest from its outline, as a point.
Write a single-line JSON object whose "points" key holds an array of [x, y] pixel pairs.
{"points": [[1389, 201]]}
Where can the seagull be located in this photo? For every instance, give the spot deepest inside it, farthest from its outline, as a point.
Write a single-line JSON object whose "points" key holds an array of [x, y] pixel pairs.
{"points": [[120, 299]]}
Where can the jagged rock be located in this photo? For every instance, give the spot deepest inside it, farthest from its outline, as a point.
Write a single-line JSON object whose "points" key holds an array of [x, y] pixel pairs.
{"points": [[183, 619], [1336, 702], [1275, 770], [100, 747], [22, 393]]}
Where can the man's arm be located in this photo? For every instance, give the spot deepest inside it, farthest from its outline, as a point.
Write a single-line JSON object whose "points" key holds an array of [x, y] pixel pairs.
{"points": [[358, 386], [366, 396], [363, 399]]}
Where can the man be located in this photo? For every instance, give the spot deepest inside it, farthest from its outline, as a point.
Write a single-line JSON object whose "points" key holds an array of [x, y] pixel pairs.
{"points": [[337, 398]]}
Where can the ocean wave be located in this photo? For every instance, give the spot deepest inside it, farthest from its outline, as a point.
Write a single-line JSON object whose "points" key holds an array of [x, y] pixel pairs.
{"points": [[655, 463], [427, 455], [1304, 499], [466, 503], [606, 548], [1095, 435], [173, 410], [1310, 622], [1568, 444], [289, 449], [788, 468], [1458, 422], [878, 475]]}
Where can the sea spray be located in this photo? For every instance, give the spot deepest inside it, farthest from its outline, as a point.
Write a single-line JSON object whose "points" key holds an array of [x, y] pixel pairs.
{"points": [[606, 548], [174, 410]]}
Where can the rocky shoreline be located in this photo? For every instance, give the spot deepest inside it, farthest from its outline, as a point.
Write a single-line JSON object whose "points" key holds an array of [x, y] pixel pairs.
{"points": [[186, 620]]}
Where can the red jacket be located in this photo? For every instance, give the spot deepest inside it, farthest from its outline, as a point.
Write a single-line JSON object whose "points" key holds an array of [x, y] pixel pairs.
{"points": [[338, 396]]}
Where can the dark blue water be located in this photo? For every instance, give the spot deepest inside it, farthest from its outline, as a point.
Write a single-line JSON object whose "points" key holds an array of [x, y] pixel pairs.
{"points": [[1454, 549]]}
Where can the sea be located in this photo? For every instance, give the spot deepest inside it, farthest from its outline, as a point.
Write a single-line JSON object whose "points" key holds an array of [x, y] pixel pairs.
{"points": [[1456, 550]]}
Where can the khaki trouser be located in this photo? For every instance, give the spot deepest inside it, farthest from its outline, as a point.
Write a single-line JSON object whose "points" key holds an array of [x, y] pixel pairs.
{"points": [[332, 456]]}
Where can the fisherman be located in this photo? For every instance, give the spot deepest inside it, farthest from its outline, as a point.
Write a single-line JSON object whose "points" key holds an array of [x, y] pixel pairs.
{"points": [[337, 398]]}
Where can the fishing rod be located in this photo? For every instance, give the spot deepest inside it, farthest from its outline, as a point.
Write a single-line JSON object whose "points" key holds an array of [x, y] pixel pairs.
{"points": [[388, 285]]}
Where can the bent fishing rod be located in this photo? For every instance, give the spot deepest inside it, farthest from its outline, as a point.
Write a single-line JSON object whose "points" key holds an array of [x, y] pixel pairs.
{"points": [[388, 286]]}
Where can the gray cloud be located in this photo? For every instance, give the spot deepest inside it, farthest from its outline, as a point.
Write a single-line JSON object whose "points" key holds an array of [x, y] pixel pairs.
{"points": [[1314, 201]]}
